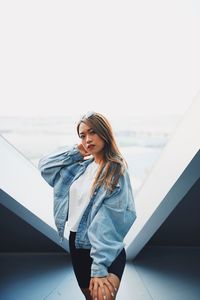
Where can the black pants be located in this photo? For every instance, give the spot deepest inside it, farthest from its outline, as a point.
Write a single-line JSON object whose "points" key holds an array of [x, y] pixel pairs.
{"points": [[82, 262]]}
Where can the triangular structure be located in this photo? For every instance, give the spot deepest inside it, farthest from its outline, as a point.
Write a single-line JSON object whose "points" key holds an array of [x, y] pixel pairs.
{"points": [[27, 195], [173, 175]]}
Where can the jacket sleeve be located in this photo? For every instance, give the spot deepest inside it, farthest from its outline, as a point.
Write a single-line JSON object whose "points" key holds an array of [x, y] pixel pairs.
{"points": [[50, 165], [109, 227]]}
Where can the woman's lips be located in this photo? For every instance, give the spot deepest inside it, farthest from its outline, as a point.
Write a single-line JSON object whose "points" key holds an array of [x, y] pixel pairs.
{"points": [[90, 147]]}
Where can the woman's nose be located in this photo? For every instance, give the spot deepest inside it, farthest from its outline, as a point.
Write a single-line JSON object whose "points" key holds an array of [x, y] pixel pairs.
{"points": [[88, 139]]}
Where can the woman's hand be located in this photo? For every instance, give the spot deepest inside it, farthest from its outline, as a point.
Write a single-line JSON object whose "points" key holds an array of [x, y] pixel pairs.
{"points": [[82, 150], [100, 286]]}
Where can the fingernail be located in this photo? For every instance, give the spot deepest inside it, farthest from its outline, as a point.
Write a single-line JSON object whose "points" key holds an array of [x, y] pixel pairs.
{"points": [[112, 294], [104, 297], [115, 289]]}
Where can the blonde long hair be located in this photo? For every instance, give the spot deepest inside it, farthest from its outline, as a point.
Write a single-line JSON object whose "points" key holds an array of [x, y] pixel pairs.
{"points": [[114, 163]]}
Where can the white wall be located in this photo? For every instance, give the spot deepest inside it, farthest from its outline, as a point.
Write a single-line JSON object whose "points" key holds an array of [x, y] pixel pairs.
{"points": [[20, 179], [153, 205]]}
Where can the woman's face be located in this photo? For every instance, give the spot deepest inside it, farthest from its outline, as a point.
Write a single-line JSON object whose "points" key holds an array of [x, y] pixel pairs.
{"points": [[91, 141]]}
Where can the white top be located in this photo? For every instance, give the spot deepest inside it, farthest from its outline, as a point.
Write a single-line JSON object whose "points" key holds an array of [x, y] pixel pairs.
{"points": [[79, 195]]}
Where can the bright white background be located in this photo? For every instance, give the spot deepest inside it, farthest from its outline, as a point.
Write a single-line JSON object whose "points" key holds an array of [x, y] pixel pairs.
{"points": [[68, 57]]}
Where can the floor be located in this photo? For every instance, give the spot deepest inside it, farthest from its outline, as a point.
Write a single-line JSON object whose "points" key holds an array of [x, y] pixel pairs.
{"points": [[158, 273]]}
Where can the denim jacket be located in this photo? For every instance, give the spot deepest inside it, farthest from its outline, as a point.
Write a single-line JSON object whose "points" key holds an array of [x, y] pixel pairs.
{"points": [[106, 219]]}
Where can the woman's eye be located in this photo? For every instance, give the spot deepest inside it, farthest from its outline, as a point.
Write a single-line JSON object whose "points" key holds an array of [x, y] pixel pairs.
{"points": [[92, 132]]}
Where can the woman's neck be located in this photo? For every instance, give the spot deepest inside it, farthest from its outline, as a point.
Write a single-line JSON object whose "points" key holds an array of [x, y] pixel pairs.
{"points": [[98, 159]]}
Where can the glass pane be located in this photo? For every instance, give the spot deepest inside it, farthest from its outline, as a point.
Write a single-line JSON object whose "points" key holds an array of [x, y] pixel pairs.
{"points": [[141, 139]]}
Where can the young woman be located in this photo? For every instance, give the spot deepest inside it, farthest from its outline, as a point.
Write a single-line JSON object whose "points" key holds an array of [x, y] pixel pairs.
{"points": [[92, 192]]}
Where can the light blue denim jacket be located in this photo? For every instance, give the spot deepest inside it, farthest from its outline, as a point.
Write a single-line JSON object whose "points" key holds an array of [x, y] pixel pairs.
{"points": [[108, 216]]}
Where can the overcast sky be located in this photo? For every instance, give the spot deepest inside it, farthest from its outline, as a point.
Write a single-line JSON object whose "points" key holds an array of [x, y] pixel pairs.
{"points": [[116, 57]]}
